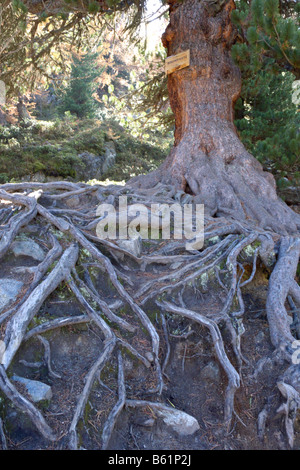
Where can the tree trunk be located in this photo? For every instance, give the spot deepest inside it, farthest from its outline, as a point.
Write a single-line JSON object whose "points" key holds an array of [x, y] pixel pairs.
{"points": [[208, 159]]}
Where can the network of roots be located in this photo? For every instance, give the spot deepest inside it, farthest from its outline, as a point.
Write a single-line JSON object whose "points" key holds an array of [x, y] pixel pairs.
{"points": [[160, 279]]}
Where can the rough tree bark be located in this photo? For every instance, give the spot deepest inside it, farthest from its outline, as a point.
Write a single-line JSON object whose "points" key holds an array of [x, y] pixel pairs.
{"points": [[208, 159]]}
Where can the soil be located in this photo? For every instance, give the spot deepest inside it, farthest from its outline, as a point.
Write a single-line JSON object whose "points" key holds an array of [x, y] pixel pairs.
{"points": [[74, 349]]}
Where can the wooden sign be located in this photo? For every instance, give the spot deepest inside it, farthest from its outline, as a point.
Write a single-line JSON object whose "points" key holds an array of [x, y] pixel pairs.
{"points": [[177, 61]]}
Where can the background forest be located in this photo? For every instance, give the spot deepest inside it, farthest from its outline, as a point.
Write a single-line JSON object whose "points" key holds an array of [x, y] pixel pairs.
{"points": [[110, 87]]}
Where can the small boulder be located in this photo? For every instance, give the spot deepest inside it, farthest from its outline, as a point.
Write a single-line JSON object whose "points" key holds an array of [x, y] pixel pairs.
{"points": [[73, 202], [109, 157], [91, 166], [38, 391], [28, 248], [179, 421], [9, 290], [133, 245], [259, 338]]}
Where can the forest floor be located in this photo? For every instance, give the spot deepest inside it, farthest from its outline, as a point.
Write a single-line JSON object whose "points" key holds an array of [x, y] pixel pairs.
{"points": [[194, 381]]}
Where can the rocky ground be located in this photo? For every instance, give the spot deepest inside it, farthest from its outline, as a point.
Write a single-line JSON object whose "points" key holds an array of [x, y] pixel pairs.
{"points": [[51, 366]]}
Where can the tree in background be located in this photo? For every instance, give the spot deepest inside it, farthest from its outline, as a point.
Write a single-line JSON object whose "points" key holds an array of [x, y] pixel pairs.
{"points": [[268, 34], [268, 123], [268, 55], [78, 97]]}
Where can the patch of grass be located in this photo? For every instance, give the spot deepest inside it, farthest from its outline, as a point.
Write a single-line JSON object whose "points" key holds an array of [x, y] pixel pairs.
{"points": [[53, 148]]}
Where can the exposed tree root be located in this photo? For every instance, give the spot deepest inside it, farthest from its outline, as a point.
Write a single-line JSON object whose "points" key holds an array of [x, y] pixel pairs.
{"points": [[113, 416], [233, 376], [25, 405], [17, 326], [160, 277], [2, 437]]}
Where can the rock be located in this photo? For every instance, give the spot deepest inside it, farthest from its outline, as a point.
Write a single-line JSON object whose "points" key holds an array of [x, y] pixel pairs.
{"points": [[28, 248], [73, 202], [260, 337], [109, 156], [211, 372], [141, 421], [181, 422], [93, 166], [149, 356], [291, 194], [128, 364], [133, 245], [38, 391], [149, 422], [9, 290], [39, 177]]}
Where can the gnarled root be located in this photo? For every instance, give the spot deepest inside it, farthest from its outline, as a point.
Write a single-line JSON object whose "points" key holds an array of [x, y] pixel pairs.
{"points": [[121, 314], [282, 281]]}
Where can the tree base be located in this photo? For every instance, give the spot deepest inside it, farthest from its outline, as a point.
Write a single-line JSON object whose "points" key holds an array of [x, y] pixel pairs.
{"points": [[235, 187]]}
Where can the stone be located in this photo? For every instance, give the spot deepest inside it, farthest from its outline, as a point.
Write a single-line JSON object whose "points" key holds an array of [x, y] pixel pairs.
{"points": [[133, 245], [259, 337], [109, 156], [149, 356], [211, 372], [39, 177], [181, 422], [9, 290], [38, 391], [28, 248], [73, 202], [93, 166], [149, 422]]}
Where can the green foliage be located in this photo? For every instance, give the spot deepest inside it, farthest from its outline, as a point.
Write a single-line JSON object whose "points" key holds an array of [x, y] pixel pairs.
{"points": [[268, 123], [36, 37], [53, 148], [270, 29], [144, 105], [78, 97], [266, 116], [136, 155], [48, 147]]}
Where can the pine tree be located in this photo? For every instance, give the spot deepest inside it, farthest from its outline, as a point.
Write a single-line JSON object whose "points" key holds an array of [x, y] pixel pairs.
{"points": [[78, 97], [269, 33], [268, 123]]}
